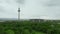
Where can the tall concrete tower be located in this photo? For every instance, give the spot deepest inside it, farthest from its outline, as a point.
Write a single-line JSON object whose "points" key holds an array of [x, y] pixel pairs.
{"points": [[18, 13]]}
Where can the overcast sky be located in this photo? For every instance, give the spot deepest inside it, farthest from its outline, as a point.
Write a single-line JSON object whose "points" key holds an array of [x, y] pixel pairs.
{"points": [[40, 9]]}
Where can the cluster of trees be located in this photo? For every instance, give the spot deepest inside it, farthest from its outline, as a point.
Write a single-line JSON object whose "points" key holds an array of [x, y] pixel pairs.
{"points": [[27, 27]]}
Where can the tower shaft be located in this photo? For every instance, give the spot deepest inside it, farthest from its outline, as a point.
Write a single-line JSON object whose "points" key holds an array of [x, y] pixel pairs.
{"points": [[18, 15]]}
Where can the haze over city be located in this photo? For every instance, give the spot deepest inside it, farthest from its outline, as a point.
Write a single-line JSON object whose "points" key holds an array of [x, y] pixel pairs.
{"points": [[30, 9]]}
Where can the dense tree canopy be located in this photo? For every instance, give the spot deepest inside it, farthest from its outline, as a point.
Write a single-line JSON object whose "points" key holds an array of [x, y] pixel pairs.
{"points": [[26, 27]]}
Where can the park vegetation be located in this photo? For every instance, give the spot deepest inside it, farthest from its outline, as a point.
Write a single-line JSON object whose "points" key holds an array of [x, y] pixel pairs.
{"points": [[28, 27]]}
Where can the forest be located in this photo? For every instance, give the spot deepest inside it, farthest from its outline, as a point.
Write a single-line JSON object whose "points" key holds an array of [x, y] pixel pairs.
{"points": [[28, 27]]}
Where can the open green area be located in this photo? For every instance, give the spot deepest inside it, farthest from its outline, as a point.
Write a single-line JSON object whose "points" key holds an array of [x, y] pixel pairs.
{"points": [[28, 27]]}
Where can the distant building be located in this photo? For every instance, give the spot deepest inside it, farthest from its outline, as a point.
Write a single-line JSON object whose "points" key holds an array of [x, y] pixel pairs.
{"points": [[44, 20], [37, 20]]}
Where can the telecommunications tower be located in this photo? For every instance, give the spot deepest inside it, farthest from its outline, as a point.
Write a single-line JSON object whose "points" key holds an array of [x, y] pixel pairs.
{"points": [[18, 13]]}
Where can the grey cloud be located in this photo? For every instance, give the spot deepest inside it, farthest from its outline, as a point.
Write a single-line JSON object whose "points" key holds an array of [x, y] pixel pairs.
{"points": [[31, 9], [53, 3], [2, 9], [20, 1]]}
